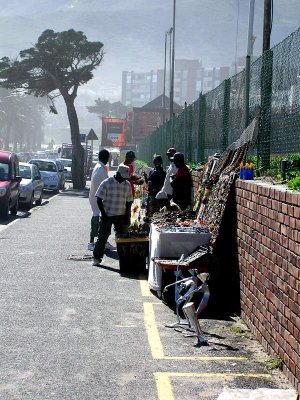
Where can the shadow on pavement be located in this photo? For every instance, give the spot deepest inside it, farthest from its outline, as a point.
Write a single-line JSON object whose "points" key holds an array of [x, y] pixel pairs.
{"points": [[102, 266], [75, 193]]}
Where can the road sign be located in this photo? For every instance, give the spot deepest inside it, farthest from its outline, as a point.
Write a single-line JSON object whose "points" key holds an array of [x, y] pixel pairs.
{"points": [[92, 135], [82, 137]]}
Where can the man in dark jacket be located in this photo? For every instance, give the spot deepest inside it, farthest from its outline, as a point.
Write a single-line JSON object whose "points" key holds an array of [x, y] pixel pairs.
{"points": [[181, 183], [155, 181]]}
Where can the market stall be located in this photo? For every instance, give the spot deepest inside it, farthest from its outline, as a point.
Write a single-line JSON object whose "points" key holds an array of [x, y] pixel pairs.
{"points": [[170, 239]]}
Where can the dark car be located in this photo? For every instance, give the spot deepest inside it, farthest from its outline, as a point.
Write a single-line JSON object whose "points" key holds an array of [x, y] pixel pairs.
{"points": [[9, 183]]}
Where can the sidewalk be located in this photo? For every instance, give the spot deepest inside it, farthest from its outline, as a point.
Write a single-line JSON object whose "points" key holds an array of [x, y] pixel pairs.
{"points": [[73, 331]]}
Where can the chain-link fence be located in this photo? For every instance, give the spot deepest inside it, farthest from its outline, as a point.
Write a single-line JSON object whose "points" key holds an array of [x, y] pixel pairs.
{"points": [[217, 119]]}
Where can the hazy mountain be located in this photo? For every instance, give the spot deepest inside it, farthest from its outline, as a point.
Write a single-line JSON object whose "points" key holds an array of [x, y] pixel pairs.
{"points": [[133, 32]]}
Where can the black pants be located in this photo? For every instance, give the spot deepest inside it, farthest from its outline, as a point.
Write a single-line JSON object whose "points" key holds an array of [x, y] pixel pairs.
{"points": [[104, 231]]}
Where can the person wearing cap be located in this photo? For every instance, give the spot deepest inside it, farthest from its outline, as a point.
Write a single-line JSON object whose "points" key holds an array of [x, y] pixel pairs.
{"points": [[98, 175], [114, 199], [166, 192], [181, 183], [155, 181], [134, 178]]}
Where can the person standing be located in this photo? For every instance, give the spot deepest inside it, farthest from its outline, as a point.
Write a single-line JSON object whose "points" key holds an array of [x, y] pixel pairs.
{"points": [[134, 178], [181, 183], [166, 192], [114, 199], [99, 174], [155, 181]]}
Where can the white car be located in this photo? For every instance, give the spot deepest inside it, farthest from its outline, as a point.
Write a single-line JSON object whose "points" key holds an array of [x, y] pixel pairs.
{"points": [[31, 186], [52, 173]]}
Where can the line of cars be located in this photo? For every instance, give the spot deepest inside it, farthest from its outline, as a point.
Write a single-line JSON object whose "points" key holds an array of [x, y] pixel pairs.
{"points": [[23, 183]]}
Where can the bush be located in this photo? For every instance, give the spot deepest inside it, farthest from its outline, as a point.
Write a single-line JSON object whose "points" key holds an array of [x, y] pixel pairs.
{"points": [[294, 183]]}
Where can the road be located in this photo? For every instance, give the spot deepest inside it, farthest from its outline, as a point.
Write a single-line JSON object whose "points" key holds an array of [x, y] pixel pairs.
{"points": [[71, 331]]}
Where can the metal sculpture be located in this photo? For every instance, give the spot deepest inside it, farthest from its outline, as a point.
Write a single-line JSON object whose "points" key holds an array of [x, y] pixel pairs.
{"points": [[191, 316], [187, 287]]}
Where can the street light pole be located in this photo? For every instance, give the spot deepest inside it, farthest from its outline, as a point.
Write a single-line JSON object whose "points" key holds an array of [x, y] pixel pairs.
{"points": [[170, 64], [165, 73], [165, 66], [173, 62]]}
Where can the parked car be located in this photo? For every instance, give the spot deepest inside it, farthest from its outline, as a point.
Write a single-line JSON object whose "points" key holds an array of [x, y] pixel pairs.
{"points": [[61, 171], [52, 154], [54, 179], [41, 154], [9, 183], [67, 164], [32, 185]]}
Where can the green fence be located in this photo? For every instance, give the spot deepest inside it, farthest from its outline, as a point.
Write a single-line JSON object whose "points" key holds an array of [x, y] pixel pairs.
{"points": [[217, 119]]}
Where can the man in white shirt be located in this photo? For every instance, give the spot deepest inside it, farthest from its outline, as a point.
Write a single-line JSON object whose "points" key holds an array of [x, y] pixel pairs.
{"points": [[99, 175], [114, 199]]}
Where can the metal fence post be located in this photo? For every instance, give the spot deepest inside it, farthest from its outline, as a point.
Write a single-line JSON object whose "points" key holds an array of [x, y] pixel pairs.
{"points": [[201, 127], [184, 128], [172, 136], [226, 115], [264, 135]]}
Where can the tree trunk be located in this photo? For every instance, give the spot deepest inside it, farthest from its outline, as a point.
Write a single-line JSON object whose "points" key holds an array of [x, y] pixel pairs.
{"points": [[78, 175]]}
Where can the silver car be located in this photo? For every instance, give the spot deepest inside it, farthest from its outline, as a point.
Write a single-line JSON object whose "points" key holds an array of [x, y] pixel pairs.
{"points": [[52, 173], [31, 186]]}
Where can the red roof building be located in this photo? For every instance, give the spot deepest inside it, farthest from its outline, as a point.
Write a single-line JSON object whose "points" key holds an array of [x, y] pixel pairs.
{"points": [[146, 119]]}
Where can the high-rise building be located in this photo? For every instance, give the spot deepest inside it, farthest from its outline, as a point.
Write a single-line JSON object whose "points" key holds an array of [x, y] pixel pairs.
{"points": [[187, 81], [212, 77], [138, 88], [190, 79]]}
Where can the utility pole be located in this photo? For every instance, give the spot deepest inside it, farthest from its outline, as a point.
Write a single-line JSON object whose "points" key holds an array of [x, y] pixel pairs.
{"points": [[165, 66], [266, 89], [165, 71], [267, 25], [173, 62], [170, 66]]}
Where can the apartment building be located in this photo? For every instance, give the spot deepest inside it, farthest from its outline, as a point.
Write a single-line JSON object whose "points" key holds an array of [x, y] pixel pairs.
{"points": [[190, 78], [138, 88]]}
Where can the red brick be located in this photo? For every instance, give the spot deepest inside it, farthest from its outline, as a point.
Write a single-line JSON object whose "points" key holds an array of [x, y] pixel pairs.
{"points": [[284, 208], [297, 212], [276, 205], [280, 217], [272, 193], [292, 198]]}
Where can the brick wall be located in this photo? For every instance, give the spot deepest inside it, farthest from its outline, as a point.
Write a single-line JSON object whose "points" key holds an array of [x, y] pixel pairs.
{"points": [[268, 239]]}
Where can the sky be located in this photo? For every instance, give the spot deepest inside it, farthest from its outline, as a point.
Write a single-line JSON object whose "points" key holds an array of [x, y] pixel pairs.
{"points": [[133, 32]]}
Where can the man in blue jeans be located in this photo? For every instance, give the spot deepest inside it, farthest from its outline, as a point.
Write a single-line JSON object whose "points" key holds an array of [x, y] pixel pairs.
{"points": [[114, 198]]}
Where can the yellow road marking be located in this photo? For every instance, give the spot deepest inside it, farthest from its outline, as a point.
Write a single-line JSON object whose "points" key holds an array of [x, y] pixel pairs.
{"points": [[157, 347], [164, 387], [144, 286], [152, 332]]}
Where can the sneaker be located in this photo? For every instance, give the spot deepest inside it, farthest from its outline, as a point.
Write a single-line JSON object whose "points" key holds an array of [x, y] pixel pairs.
{"points": [[109, 246], [91, 246], [96, 262]]}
